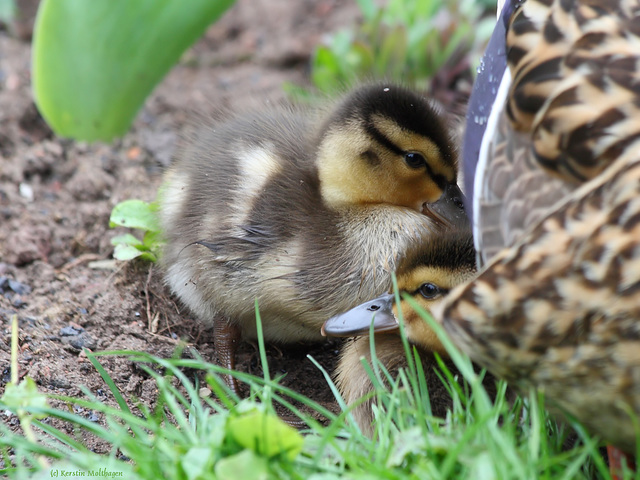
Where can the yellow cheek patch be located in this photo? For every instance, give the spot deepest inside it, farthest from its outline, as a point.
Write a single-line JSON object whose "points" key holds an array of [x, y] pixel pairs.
{"points": [[341, 174], [417, 329], [348, 178]]}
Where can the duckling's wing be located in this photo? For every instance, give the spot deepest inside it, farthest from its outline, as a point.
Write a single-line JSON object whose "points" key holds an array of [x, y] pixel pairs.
{"points": [[249, 243], [565, 109]]}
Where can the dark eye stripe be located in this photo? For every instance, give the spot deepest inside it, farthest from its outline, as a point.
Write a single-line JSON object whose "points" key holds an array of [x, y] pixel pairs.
{"points": [[440, 180], [382, 139]]}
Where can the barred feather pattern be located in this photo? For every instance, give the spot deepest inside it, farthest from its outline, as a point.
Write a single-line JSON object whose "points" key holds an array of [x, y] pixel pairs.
{"points": [[561, 309], [573, 107], [557, 304]]}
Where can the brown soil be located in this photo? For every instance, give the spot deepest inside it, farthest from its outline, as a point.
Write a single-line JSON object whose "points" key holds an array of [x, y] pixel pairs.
{"points": [[56, 196]]}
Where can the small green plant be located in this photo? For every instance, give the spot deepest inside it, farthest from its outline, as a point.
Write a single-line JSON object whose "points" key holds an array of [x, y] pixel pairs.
{"points": [[407, 41], [139, 215], [183, 438], [24, 395]]}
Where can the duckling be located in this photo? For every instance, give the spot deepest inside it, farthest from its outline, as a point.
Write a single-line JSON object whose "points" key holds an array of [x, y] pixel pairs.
{"points": [[555, 173], [427, 275], [307, 213]]}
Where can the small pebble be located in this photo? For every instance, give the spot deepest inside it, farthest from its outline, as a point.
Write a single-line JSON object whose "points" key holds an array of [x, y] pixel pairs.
{"points": [[19, 287], [26, 191], [83, 340], [10, 285], [70, 331], [59, 382], [18, 302], [93, 417]]}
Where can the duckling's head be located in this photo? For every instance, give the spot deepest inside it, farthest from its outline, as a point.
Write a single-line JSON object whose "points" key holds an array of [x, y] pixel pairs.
{"points": [[427, 276], [386, 144]]}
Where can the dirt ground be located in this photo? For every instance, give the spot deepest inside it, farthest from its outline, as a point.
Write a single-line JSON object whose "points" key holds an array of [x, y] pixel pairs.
{"points": [[56, 195]]}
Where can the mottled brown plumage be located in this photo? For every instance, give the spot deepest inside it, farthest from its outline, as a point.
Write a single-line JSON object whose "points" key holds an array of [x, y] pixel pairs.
{"points": [[558, 216], [570, 110]]}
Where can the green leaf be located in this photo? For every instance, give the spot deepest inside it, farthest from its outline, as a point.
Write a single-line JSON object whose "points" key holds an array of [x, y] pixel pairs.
{"points": [[152, 240], [25, 394], [245, 465], [126, 252], [197, 462], [135, 214], [326, 70], [265, 434], [95, 62], [126, 239], [129, 252]]}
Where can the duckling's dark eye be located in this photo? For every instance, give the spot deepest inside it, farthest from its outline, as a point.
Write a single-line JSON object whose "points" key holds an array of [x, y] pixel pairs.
{"points": [[430, 291], [414, 160]]}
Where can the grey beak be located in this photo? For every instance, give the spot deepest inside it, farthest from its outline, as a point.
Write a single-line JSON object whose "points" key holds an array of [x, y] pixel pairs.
{"points": [[358, 320], [451, 206]]}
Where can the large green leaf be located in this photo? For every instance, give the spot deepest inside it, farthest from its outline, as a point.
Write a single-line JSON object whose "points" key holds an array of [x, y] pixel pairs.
{"points": [[266, 434], [94, 62]]}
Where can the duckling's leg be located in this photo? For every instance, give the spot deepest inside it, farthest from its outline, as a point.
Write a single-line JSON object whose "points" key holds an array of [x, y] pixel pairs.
{"points": [[226, 337], [616, 457]]}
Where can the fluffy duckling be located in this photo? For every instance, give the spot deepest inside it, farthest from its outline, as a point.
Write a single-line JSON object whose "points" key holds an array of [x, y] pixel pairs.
{"points": [[556, 210], [306, 213], [427, 275]]}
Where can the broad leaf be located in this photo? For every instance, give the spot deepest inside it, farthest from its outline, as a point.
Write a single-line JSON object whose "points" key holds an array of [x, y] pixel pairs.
{"points": [[135, 213], [265, 434], [95, 62]]}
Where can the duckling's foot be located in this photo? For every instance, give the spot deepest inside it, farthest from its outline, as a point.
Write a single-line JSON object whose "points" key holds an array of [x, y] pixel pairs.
{"points": [[226, 337], [616, 457]]}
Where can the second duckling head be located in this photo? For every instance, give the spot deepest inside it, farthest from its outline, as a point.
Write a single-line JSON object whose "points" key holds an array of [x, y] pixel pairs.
{"points": [[427, 276], [387, 144], [441, 263]]}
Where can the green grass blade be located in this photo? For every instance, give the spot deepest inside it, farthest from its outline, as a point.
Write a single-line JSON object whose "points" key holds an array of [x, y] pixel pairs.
{"points": [[108, 380], [61, 436], [263, 353]]}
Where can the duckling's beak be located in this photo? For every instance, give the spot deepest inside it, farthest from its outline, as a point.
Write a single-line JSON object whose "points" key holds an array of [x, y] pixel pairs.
{"points": [[450, 206], [358, 320]]}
